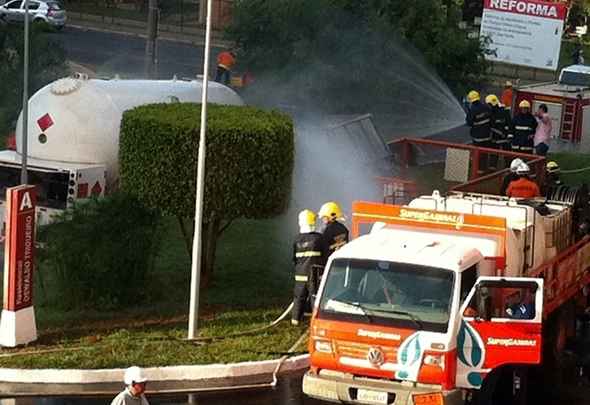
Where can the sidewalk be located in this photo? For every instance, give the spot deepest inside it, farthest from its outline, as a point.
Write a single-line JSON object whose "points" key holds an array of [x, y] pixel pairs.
{"points": [[191, 35]]}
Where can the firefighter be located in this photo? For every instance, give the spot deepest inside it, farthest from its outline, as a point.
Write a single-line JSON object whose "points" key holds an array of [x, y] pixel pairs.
{"points": [[510, 176], [523, 187], [500, 127], [479, 119], [335, 234], [525, 126], [307, 252], [552, 179]]}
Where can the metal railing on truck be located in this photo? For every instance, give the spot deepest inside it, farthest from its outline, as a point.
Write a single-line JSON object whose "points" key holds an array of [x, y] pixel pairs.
{"points": [[427, 164]]}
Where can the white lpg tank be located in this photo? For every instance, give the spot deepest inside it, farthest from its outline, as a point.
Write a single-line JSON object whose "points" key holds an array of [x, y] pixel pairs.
{"points": [[77, 120]]}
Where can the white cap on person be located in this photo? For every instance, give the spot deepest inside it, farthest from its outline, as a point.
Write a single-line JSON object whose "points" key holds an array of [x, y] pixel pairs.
{"points": [[134, 374]]}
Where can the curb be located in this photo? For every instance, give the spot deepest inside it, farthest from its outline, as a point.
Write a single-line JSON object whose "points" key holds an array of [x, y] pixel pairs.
{"points": [[160, 374]]}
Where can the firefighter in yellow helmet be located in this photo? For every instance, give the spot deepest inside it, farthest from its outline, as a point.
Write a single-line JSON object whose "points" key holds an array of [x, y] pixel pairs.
{"points": [[525, 126], [479, 118], [308, 250], [335, 233], [501, 125], [552, 180]]}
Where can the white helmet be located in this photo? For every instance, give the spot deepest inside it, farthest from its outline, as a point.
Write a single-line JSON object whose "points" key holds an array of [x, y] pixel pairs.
{"points": [[514, 164], [523, 168], [134, 375]]}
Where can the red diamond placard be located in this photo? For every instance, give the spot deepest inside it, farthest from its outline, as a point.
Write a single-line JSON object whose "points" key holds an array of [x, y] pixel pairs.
{"points": [[45, 122]]}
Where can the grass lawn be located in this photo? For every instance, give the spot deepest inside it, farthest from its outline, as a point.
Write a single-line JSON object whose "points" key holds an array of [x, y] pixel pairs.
{"points": [[251, 287], [573, 161]]}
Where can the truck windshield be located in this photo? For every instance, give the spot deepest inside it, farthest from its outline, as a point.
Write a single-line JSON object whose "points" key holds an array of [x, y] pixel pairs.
{"points": [[388, 294]]}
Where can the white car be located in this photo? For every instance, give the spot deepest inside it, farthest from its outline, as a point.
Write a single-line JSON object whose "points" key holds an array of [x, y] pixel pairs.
{"points": [[49, 12]]}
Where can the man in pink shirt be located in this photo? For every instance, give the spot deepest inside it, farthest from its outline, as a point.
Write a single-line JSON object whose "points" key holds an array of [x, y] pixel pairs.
{"points": [[543, 132]]}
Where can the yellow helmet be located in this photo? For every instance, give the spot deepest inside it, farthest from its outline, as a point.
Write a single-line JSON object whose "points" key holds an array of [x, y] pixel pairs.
{"points": [[492, 99], [552, 167], [331, 210], [307, 218], [524, 104], [473, 96]]}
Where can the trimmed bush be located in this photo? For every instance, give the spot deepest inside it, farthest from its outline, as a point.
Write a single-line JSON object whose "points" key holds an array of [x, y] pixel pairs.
{"points": [[249, 163], [99, 253]]}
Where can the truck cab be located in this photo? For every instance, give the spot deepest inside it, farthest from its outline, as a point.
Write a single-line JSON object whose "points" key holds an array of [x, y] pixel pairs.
{"points": [[415, 310]]}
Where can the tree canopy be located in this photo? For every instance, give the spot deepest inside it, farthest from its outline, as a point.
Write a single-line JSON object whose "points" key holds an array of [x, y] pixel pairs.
{"points": [[46, 64], [354, 44], [249, 163]]}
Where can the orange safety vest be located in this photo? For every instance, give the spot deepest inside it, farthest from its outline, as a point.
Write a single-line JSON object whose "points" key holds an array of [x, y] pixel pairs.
{"points": [[226, 60], [523, 188], [507, 97]]}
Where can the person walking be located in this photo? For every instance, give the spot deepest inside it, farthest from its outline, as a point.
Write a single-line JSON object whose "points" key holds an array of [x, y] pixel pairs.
{"points": [[307, 254], [523, 187], [500, 128], [543, 131], [479, 119], [225, 61], [525, 126], [335, 234], [134, 392]]}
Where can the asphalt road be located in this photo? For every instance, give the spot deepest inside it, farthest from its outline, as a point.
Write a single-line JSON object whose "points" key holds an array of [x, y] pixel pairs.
{"points": [[109, 54], [288, 392]]}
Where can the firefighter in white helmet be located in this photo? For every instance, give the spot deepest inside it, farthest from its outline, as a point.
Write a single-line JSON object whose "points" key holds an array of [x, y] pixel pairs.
{"points": [[307, 257], [523, 187], [335, 233], [134, 392], [510, 176]]}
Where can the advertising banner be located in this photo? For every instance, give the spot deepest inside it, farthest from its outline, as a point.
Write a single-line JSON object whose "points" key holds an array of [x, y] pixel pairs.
{"points": [[526, 33], [19, 248]]}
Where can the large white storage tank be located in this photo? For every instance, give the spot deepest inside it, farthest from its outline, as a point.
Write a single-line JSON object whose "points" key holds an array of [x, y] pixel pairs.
{"points": [[77, 120]]}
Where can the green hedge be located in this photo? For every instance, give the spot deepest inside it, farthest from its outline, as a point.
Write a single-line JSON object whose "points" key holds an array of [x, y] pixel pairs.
{"points": [[249, 162]]}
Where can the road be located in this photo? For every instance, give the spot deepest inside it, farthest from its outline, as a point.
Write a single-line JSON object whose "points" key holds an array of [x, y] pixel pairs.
{"points": [[109, 54], [288, 392]]}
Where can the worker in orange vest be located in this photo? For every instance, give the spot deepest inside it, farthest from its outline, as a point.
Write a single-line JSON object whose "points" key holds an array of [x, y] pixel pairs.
{"points": [[523, 187], [507, 95], [225, 61]]}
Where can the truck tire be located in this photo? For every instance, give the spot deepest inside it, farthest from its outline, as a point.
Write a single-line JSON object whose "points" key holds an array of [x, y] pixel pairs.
{"points": [[507, 385]]}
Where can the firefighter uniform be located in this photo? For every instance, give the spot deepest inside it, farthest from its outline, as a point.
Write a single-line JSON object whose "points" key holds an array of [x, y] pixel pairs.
{"points": [[335, 236], [479, 119], [308, 252], [524, 125], [500, 128]]}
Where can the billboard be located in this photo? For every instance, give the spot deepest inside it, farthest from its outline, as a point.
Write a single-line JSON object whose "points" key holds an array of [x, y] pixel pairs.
{"points": [[523, 32]]}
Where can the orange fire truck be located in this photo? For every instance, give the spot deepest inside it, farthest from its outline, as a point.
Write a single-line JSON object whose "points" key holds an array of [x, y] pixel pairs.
{"points": [[433, 301]]}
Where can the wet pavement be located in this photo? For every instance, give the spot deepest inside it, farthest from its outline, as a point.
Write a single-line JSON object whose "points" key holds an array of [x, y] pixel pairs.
{"points": [[287, 392]]}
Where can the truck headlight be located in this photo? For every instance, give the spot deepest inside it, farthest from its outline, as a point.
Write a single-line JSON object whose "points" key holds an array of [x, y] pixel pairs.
{"points": [[323, 346]]}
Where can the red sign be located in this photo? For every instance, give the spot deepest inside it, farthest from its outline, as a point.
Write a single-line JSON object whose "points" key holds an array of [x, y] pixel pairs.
{"points": [[19, 253], [45, 122], [534, 8], [96, 189]]}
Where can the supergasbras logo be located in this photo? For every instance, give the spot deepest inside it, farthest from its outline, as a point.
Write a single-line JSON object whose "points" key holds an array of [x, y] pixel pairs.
{"points": [[511, 342]]}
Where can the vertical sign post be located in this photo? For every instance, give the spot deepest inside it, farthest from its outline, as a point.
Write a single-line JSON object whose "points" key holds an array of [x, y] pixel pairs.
{"points": [[17, 325]]}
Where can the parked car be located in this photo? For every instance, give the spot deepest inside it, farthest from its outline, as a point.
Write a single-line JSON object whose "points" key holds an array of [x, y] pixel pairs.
{"points": [[50, 12]]}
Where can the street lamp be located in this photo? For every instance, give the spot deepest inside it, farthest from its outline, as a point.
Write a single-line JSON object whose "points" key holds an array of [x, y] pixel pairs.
{"points": [[196, 259], [25, 121]]}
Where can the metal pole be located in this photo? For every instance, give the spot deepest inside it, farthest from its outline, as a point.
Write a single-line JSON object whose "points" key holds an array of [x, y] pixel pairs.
{"points": [[24, 149], [196, 262], [150, 45]]}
